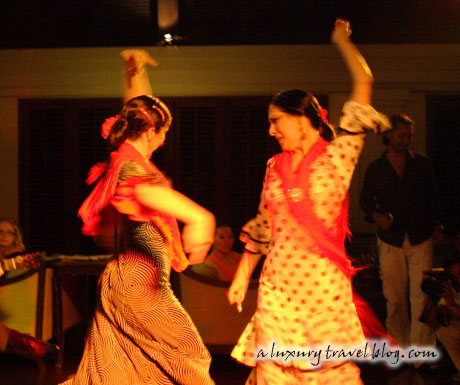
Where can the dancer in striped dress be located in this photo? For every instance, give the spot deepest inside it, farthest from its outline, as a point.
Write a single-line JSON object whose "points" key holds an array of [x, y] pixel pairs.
{"points": [[140, 333]]}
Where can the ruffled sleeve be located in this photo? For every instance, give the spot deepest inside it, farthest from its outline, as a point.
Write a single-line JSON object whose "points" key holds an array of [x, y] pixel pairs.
{"points": [[256, 233], [344, 151], [357, 118]]}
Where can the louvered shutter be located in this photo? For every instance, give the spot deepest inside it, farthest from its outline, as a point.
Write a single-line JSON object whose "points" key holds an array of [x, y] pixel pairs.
{"points": [[43, 174], [91, 149], [59, 141], [195, 131]]}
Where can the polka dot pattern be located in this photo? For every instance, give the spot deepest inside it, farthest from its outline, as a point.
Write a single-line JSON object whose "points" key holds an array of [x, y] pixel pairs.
{"points": [[304, 299]]}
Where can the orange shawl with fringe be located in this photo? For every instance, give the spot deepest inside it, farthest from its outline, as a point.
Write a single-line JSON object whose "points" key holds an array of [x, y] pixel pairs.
{"points": [[98, 211], [330, 245]]}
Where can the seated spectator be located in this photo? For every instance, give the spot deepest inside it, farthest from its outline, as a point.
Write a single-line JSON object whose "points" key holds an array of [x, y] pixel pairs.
{"points": [[13, 256], [10, 238], [444, 316], [222, 261]]}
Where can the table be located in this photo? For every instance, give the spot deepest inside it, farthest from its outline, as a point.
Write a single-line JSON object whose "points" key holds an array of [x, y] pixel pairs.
{"points": [[74, 265]]}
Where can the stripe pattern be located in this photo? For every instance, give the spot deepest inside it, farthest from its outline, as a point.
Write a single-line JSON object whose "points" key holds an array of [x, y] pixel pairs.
{"points": [[140, 333]]}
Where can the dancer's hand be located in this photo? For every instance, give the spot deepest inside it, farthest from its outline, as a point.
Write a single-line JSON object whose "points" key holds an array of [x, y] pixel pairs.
{"points": [[237, 291], [197, 254], [342, 30], [135, 60]]}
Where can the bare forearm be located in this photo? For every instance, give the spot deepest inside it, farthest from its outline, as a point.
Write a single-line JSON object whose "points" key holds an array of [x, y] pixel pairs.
{"points": [[247, 265], [357, 65], [136, 80], [135, 85]]}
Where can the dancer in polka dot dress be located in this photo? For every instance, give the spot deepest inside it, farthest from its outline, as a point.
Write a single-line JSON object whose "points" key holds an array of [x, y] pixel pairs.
{"points": [[305, 295]]}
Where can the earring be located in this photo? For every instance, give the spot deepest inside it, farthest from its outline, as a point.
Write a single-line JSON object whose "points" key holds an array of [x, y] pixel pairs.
{"points": [[303, 135]]}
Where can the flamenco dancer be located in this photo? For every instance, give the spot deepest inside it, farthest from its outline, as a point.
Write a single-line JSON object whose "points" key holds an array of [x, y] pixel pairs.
{"points": [[140, 333], [305, 295]]}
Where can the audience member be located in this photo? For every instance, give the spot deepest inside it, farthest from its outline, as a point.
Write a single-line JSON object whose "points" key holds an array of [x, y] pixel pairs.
{"points": [[222, 261], [400, 195], [444, 316], [12, 257], [10, 238]]}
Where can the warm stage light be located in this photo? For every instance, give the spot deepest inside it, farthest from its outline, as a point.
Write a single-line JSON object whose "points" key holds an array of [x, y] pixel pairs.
{"points": [[168, 15], [167, 38]]}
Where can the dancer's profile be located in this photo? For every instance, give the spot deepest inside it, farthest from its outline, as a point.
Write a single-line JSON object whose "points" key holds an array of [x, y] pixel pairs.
{"points": [[305, 296], [140, 333]]}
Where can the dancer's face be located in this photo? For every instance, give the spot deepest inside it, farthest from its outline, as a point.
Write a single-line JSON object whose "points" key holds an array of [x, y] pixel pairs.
{"points": [[156, 139], [286, 128]]}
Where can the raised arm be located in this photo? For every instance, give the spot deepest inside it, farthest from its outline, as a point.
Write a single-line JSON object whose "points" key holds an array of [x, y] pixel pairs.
{"points": [[359, 70], [199, 229], [136, 79]]}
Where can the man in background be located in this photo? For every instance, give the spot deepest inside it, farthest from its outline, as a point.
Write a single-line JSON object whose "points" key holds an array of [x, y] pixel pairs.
{"points": [[400, 195]]}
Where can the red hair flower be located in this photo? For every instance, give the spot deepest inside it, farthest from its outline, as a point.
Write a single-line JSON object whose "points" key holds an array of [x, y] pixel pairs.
{"points": [[324, 115], [107, 125]]}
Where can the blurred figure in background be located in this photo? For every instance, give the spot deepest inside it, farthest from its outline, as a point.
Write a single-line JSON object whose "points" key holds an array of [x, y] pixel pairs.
{"points": [[10, 238], [222, 261], [13, 257]]}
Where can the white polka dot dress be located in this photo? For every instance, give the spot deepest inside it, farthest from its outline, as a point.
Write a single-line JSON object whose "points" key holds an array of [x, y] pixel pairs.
{"points": [[304, 299]]}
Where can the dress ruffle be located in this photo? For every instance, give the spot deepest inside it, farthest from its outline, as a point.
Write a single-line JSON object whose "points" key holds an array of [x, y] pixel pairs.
{"points": [[363, 117], [255, 237]]}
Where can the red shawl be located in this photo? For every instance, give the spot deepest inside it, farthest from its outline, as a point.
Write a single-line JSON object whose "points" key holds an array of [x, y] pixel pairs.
{"points": [[330, 245], [98, 210]]}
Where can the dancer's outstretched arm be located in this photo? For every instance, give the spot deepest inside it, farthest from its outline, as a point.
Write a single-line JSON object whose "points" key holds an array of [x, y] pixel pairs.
{"points": [[136, 79], [359, 70]]}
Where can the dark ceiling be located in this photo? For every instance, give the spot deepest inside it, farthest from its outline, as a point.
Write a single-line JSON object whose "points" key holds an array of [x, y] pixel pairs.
{"points": [[96, 23]]}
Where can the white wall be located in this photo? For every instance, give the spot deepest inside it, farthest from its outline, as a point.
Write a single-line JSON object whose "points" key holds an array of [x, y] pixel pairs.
{"points": [[403, 74]]}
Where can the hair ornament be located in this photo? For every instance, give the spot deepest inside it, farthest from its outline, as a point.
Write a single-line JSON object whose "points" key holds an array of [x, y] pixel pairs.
{"points": [[160, 112], [324, 113], [147, 116], [154, 98], [108, 124]]}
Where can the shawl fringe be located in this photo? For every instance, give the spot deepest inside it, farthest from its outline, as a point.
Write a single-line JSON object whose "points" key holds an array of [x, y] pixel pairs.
{"points": [[330, 245], [98, 210]]}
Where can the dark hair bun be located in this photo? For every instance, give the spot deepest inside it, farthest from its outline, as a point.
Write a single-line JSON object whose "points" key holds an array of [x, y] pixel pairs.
{"points": [[303, 103], [118, 133]]}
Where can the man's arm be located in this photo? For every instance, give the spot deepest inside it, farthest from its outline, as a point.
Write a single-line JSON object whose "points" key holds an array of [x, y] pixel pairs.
{"points": [[368, 201]]}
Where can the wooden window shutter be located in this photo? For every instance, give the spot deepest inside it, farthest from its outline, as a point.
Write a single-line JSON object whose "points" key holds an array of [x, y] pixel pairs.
{"points": [[195, 130]]}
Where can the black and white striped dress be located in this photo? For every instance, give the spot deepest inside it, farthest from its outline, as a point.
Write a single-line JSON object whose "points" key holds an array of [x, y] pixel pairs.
{"points": [[140, 333]]}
